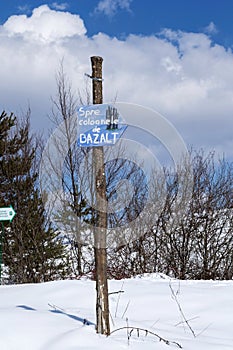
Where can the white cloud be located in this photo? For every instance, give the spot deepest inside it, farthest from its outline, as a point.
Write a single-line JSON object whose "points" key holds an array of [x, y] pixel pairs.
{"points": [[211, 28], [110, 7], [184, 76], [24, 8], [45, 24], [60, 6]]}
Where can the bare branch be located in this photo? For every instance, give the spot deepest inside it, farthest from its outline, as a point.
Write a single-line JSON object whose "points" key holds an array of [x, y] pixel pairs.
{"points": [[174, 295], [146, 331]]}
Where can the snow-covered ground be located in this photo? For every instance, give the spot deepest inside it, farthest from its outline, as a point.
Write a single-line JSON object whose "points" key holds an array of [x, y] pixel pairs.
{"points": [[49, 316]]}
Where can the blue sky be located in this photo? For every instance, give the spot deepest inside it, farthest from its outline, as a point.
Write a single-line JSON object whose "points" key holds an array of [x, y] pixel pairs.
{"points": [[147, 17], [173, 56]]}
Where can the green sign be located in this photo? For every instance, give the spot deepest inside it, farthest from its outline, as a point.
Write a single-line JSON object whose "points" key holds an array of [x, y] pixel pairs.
{"points": [[7, 214]]}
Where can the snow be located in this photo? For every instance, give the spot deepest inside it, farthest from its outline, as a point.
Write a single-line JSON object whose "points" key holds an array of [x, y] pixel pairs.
{"points": [[49, 316]]}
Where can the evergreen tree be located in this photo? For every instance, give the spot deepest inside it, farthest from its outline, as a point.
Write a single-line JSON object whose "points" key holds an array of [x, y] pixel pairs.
{"points": [[32, 250]]}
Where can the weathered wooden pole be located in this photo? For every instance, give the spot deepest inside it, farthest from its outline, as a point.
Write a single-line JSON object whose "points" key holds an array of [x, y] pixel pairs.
{"points": [[102, 305]]}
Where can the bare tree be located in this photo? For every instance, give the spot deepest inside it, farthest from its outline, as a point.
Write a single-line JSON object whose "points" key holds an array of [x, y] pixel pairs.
{"points": [[213, 211], [199, 243], [63, 173], [190, 242]]}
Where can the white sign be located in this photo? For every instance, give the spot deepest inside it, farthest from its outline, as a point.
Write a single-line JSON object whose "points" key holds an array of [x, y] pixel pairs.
{"points": [[7, 214]]}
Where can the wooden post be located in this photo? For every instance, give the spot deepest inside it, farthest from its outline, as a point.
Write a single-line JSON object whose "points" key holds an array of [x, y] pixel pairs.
{"points": [[102, 305]]}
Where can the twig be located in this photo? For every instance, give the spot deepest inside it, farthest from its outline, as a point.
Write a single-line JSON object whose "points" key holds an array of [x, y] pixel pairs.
{"points": [[119, 291], [181, 311], [190, 319], [138, 329], [203, 330], [154, 323], [128, 334], [118, 300], [111, 319], [125, 309]]}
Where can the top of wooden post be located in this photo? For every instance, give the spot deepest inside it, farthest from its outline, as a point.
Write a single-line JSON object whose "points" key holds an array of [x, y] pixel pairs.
{"points": [[97, 58], [96, 62]]}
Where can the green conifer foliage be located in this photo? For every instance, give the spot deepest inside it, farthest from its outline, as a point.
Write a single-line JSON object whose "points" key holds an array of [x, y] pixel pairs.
{"points": [[32, 250]]}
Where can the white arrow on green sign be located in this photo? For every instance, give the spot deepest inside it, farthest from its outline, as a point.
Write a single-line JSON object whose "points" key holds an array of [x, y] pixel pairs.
{"points": [[7, 214]]}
